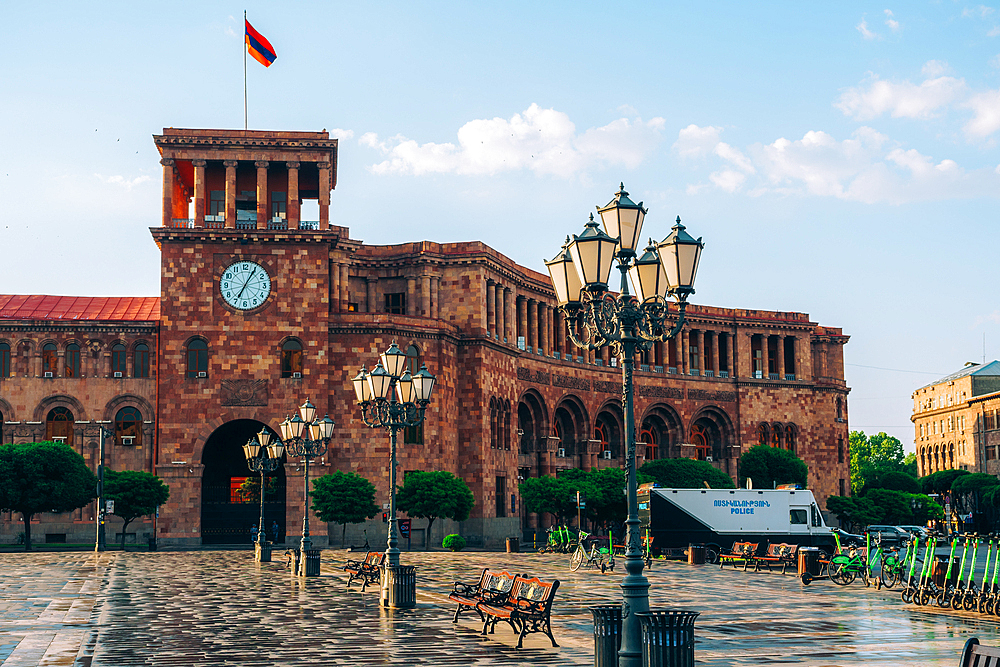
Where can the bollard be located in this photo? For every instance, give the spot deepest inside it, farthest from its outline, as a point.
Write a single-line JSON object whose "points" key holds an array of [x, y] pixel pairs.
{"points": [[607, 634], [399, 586], [667, 637]]}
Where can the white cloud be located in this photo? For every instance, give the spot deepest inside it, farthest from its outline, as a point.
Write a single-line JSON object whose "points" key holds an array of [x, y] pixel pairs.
{"points": [[994, 31], [867, 168], [995, 62], [544, 141], [986, 114], [891, 22], [694, 141], [979, 11], [340, 134], [901, 100], [865, 32], [118, 179], [934, 68]]}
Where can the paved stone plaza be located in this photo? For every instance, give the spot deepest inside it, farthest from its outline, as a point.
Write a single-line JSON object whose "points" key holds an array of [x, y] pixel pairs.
{"points": [[220, 608]]}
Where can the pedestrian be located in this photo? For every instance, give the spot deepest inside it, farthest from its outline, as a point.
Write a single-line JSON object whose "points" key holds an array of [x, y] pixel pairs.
{"points": [[274, 531], [253, 533]]}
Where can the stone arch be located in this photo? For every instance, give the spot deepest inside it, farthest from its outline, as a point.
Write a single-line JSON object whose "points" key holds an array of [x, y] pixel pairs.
{"points": [[532, 421], [226, 514], [123, 400], [715, 426], [7, 410], [660, 432], [609, 429], [778, 435], [60, 400], [763, 434], [570, 421]]}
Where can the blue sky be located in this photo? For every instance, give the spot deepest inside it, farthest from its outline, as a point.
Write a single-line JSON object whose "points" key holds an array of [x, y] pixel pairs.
{"points": [[838, 159]]}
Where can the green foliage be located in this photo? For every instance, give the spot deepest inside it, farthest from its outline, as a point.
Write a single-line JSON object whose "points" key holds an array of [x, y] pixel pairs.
{"points": [[434, 495], [974, 482], [250, 488], [910, 465], [768, 466], [870, 456], [685, 474], [892, 507], [940, 482], [42, 477], [343, 497], [453, 542], [852, 512], [135, 493], [894, 480], [884, 506], [552, 495]]}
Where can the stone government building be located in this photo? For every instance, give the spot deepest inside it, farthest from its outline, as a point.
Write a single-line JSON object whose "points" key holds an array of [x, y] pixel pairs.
{"points": [[186, 378]]}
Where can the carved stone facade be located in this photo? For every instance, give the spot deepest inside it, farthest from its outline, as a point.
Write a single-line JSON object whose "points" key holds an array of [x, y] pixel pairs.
{"points": [[513, 398]]}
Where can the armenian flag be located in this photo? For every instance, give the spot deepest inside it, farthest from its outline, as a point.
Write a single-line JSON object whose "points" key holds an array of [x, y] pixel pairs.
{"points": [[258, 47]]}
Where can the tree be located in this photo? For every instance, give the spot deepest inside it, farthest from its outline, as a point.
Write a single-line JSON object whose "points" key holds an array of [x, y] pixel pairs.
{"points": [[553, 495], [871, 455], [910, 465], [941, 481], [135, 493], [434, 495], [685, 474], [852, 512], [43, 477], [897, 481], [343, 497], [769, 466]]}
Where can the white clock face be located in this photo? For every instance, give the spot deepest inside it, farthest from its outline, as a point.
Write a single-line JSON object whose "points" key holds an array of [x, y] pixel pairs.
{"points": [[245, 285]]}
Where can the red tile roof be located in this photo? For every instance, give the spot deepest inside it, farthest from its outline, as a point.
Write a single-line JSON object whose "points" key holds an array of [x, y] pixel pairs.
{"points": [[101, 308]]}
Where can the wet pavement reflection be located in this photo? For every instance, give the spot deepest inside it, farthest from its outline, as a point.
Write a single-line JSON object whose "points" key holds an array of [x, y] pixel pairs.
{"points": [[221, 608]]}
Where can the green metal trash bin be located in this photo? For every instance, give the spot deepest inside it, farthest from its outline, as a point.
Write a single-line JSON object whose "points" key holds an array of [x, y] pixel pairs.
{"points": [[607, 634], [667, 637]]}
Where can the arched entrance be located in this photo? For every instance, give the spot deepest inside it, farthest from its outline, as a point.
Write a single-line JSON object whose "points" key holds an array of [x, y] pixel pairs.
{"points": [[229, 507]]}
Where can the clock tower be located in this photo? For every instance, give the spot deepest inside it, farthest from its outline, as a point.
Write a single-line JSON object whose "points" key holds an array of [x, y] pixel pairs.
{"points": [[245, 302]]}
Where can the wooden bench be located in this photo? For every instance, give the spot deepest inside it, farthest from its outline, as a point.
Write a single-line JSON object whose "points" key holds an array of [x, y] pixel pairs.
{"points": [[777, 553], [976, 655], [741, 552], [368, 571], [493, 587], [527, 609]]}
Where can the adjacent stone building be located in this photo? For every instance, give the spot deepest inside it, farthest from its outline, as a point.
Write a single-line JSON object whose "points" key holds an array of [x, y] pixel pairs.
{"points": [[956, 421], [260, 310]]}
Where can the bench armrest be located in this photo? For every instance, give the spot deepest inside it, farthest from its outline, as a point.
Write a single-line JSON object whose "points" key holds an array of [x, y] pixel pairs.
{"points": [[465, 590]]}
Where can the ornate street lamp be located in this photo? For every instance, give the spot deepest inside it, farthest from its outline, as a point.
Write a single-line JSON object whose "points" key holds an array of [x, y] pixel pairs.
{"points": [[393, 399], [306, 437], [629, 325], [263, 456]]}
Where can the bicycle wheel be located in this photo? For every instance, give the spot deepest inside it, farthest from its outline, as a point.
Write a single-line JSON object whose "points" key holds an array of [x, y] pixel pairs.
{"points": [[576, 560]]}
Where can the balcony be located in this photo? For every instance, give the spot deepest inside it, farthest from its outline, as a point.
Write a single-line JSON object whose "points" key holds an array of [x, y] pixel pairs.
{"points": [[311, 225], [772, 376], [182, 223], [789, 376], [723, 374]]}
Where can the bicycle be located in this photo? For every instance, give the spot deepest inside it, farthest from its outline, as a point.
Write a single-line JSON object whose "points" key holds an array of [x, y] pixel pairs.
{"points": [[558, 540], [596, 557]]}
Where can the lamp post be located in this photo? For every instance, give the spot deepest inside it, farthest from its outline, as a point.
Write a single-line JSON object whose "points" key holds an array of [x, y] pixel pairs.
{"points": [[100, 541], [307, 437], [393, 399], [263, 455], [628, 324]]}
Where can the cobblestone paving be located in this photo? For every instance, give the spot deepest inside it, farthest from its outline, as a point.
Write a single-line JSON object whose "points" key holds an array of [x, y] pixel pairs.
{"points": [[219, 608]]}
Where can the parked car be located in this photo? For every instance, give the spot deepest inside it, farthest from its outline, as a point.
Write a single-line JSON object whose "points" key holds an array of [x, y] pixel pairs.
{"points": [[917, 531], [891, 536], [849, 539]]}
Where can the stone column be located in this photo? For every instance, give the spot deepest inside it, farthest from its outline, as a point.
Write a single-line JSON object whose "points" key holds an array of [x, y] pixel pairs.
{"points": [[499, 331], [168, 190], [334, 287], [425, 296], [262, 207], [411, 295], [731, 354], [686, 353], [491, 302], [543, 328], [532, 325], [561, 333], [435, 297], [230, 193], [324, 195], [508, 315], [345, 278], [715, 354], [780, 350], [199, 192], [522, 319], [765, 354], [371, 284], [294, 209]]}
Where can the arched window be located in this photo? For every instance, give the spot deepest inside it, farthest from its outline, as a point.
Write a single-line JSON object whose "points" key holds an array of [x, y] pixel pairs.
{"points": [[493, 423], [647, 437], [140, 361], [777, 436], [4, 360], [59, 425], [291, 359], [412, 359], [763, 434], [699, 438], [840, 408], [506, 424], [72, 360], [601, 435], [118, 360], [49, 360], [790, 437], [128, 427], [197, 358]]}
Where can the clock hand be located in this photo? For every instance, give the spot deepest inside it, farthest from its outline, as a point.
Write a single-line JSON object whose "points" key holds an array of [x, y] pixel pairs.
{"points": [[244, 287]]}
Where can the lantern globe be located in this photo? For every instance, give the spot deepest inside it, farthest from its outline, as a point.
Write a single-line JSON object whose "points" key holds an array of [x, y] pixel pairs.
{"points": [[680, 253], [295, 426], [423, 384], [314, 430], [404, 388], [307, 411], [326, 426], [647, 275], [593, 254], [276, 449], [251, 449], [286, 429], [264, 437], [394, 360], [362, 389], [380, 382], [622, 220], [565, 278]]}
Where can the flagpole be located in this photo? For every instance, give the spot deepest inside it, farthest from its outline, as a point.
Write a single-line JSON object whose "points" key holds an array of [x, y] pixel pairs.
{"points": [[244, 70]]}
